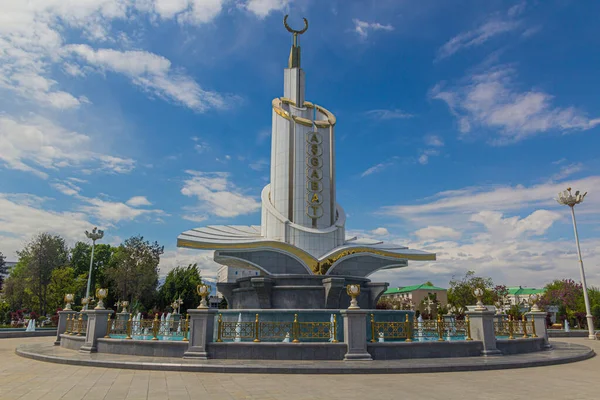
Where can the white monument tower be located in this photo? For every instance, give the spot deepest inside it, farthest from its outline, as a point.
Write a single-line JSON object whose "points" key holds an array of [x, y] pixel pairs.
{"points": [[300, 245], [298, 206]]}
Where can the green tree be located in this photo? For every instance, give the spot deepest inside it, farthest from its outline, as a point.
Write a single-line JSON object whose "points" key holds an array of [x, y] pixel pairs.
{"points": [[16, 287], [80, 261], [460, 293], [133, 270], [42, 255], [181, 282], [428, 283], [64, 280]]}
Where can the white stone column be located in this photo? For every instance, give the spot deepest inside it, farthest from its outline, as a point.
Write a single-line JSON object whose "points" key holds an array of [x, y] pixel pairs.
{"points": [[202, 322], [539, 319], [97, 322], [62, 324], [482, 329], [355, 335]]}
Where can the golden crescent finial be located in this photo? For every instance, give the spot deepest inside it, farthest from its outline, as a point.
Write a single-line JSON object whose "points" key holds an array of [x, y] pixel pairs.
{"points": [[292, 30]]}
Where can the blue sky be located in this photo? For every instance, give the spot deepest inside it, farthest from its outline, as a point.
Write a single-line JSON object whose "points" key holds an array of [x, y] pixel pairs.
{"points": [[458, 122]]}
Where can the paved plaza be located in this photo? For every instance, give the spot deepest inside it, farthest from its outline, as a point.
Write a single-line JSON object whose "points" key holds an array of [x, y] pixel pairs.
{"points": [[29, 379]]}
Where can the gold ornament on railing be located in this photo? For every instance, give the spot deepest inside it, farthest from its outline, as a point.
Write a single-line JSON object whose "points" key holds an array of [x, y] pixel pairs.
{"points": [[155, 327], [440, 328], [334, 329], [186, 328], [533, 327], [256, 329], [101, 294], [84, 302], [353, 290], [79, 324], [203, 291], [219, 328], [68, 299], [478, 292], [109, 324], [129, 321], [468, 324], [524, 322], [68, 325], [373, 329], [511, 328], [408, 329], [296, 329]]}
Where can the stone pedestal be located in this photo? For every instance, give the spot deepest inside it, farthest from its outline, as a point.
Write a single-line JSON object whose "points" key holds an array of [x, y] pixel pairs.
{"points": [[482, 329], [539, 319], [62, 324], [355, 335], [202, 322], [97, 323]]}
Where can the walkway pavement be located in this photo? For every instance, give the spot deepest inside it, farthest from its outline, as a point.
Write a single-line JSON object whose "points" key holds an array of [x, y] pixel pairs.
{"points": [[22, 378]]}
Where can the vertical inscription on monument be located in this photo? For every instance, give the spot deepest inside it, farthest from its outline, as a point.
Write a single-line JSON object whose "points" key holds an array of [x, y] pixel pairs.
{"points": [[314, 175]]}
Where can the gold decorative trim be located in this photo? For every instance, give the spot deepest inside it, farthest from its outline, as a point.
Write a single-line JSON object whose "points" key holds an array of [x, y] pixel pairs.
{"points": [[330, 117], [277, 102], [318, 267], [303, 121]]}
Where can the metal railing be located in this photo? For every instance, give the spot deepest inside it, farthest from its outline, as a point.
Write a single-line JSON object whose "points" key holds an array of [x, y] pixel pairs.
{"points": [[441, 329], [515, 328], [294, 332], [148, 329], [76, 325], [390, 330]]}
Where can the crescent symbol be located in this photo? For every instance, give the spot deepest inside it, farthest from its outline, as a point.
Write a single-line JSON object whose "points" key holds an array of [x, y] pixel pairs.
{"points": [[292, 30]]}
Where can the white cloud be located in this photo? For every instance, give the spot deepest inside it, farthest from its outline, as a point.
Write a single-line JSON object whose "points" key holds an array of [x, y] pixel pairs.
{"points": [[471, 200], [262, 8], [567, 170], [500, 228], [376, 168], [201, 11], [380, 232], [476, 37], [24, 215], [35, 144], [437, 232], [424, 157], [434, 141], [152, 73], [492, 100], [112, 211], [32, 42], [259, 165], [362, 28], [137, 201], [183, 257], [217, 195], [106, 211], [388, 114], [67, 188]]}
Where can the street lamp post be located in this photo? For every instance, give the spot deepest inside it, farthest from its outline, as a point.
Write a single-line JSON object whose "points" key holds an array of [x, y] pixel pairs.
{"points": [[568, 199], [95, 234]]}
